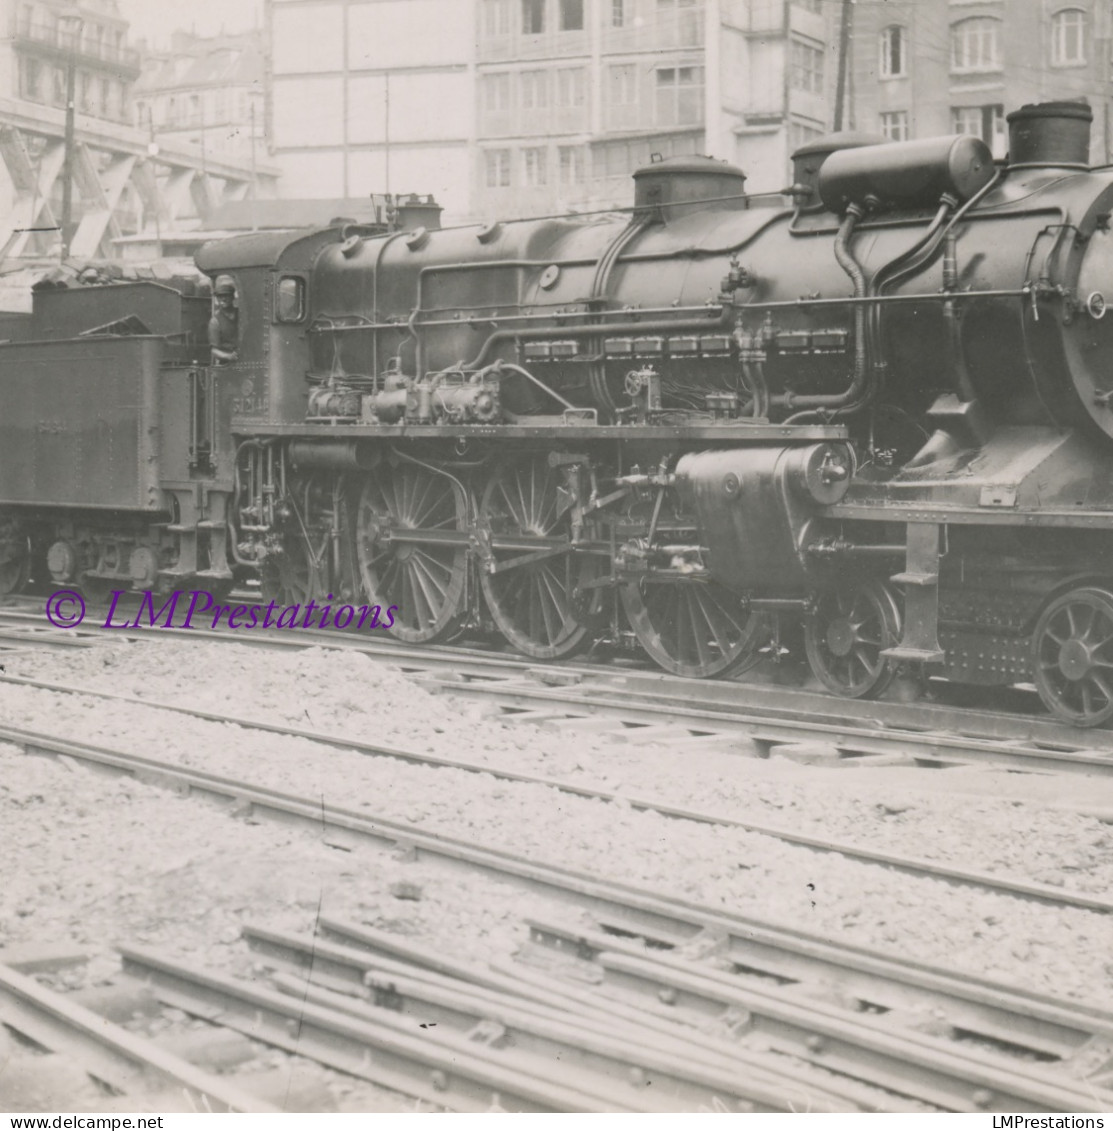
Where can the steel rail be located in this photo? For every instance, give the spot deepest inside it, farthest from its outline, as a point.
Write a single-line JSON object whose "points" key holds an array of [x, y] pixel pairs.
{"points": [[703, 1071], [971, 1003], [767, 715], [781, 958], [372, 955], [127, 1063], [384, 1050], [910, 865], [954, 1076], [472, 995]]}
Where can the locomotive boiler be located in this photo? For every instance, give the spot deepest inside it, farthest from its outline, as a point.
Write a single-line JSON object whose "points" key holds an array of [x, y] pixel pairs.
{"points": [[875, 406]]}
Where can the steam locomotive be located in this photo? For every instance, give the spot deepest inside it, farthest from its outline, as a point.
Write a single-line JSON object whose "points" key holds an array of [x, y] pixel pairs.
{"points": [[877, 407]]}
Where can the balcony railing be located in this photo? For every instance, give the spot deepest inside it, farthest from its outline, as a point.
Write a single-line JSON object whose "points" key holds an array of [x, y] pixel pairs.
{"points": [[61, 42]]}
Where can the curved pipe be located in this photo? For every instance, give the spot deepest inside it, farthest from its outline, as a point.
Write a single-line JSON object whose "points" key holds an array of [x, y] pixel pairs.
{"points": [[851, 398], [597, 370], [930, 253], [756, 385]]}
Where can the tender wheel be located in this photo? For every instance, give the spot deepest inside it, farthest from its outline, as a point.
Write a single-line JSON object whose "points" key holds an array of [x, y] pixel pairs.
{"points": [[1073, 656], [692, 628], [845, 636], [404, 557], [15, 563], [535, 603], [98, 590]]}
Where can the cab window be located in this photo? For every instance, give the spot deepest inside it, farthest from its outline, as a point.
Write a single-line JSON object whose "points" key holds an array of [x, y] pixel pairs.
{"points": [[289, 299]]}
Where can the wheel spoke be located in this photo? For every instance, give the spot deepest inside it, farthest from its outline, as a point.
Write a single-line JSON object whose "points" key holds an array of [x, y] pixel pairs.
{"points": [[863, 621], [532, 603], [426, 582], [1102, 686], [1071, 672], [713, 625]]}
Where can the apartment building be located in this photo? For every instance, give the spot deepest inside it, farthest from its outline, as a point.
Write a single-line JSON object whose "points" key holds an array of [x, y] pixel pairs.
{"points": [[42, 38], [372, 96], [122, 181], [574, 95], [925, 67], [207, 92]]}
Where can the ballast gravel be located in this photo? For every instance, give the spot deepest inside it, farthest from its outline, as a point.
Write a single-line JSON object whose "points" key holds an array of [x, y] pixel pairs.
{"points": [[1055, 951]]}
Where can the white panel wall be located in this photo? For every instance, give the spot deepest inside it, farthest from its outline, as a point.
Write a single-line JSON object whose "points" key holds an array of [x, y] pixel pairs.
{"points": [[409, 33], [308, 111], [423, 107], [308, 39], [311, 174]]}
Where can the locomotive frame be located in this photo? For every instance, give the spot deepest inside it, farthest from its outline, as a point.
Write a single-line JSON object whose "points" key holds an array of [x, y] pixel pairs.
{"points": [[876, 406]]}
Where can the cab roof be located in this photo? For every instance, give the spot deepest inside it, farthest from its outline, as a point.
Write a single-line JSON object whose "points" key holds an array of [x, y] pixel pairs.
{"points": [[253, 249]]}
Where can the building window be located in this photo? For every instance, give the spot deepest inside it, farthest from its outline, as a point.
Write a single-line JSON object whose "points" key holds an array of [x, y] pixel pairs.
{"points": [[623, 85], [533, 17], [496, 18], [571, 15], [806, 68], [1068, 38], [810, 5], [679, 95], [975, 45], [986, 122], [894, 52], [571, 166], [496, 92], [571, 87], [681, 21], [497, 162], [58, 74], [618, 13], [533, 167], [534, 90], [800, 134], [894, 125], [30, 79]]}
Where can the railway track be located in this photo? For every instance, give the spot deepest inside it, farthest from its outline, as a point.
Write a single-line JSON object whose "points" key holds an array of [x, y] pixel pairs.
{"points": [[120, 1061], [648, 706], [763, 980], [919, 867]]}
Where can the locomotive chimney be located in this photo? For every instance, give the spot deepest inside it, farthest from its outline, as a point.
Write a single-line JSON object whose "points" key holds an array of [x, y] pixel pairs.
{"points": [[1050, 133]]}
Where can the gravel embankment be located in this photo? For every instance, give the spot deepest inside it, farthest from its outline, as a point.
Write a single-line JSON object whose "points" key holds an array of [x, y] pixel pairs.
{"points": [[97, 879]]}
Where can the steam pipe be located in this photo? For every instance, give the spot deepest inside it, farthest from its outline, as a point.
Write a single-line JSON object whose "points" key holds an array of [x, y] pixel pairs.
{"points": [[756, 384], [597, 375], [851, 398]]}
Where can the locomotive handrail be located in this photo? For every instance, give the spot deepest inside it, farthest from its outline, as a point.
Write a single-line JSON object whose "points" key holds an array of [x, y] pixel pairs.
{"points": [[715, 309]]}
